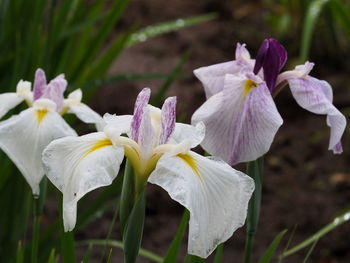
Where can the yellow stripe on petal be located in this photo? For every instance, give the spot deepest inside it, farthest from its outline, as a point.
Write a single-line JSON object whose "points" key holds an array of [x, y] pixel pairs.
{"points": [[40, 115], [248, 86], [98, 145], [191, 162]]}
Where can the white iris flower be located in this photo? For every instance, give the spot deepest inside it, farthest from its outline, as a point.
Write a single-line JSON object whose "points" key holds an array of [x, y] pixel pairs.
{"points": [[160, 152], [23, 137]]}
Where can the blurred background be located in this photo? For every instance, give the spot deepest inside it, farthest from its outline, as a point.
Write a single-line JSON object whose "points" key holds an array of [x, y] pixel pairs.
{"points": [[112, 49]]}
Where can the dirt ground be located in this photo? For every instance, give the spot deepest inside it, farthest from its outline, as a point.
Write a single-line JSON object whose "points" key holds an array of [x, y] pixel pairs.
{"points": [[305, 185]]}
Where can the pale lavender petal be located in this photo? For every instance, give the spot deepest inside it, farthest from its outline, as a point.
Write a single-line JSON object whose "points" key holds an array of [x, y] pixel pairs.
{"points": [[140, 104], [314, 95], [239, 128], [55, 90], [168, 118], [39, 84], [299, 72], [212, 77]]}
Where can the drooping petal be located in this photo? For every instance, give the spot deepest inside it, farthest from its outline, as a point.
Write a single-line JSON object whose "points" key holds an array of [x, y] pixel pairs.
{"points": [[8, 101], [140, 104], [78, 165], [23, 138], [272, 57], [212, 77], [39, 84], [215, 194], [240, 122], [316, 96], [195, 134], [168, 118]]}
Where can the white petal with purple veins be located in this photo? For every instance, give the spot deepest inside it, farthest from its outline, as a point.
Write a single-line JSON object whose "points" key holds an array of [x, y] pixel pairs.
{"points": [[193, 133], [78, 165], [168, 118], [140, 104], [316, 96], [240, 123], [216, 195], [23, 137]]}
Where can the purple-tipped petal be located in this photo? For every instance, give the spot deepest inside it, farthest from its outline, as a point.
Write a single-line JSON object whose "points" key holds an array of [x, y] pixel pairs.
{"points": [[240, 125], [140, 104], [271, 57], [146, 138], [316, 96], [168, 118], [39, 84]]}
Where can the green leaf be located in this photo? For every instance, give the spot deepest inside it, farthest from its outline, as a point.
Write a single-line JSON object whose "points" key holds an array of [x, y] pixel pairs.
{"points": [[342, 14], [19, 253], [155, 30], [268, 254], [218, 253], [310, 19], [173, 250], [115, 243], [52, 257], [337, 221], [134, 229], [87, 254], [310, 251]]}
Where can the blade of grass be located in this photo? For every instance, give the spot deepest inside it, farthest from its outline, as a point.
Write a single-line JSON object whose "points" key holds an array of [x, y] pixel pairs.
{"points": [[118, 244], [334, 224], [310, 20], [19, 253], [341, 13], [310, 251], [174, 248], [166, 27], [270, 251]]}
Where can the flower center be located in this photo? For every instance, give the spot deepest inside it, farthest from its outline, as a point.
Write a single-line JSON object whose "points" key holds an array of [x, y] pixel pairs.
{"points": [[248, 86]]}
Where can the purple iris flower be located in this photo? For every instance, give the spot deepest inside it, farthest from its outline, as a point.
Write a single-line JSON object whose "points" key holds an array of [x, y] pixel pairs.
{"points": [[240, 115]]}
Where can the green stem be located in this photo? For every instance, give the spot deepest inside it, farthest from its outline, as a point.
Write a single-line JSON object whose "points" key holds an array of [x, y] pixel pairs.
{"points": [[36, 230], [254, 170]]}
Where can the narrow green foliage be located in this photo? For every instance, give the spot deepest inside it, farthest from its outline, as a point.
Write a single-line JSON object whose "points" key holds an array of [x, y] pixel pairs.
{"points": [[115, 243], [87, 254], [338, 221], [310, 251], [218, 253], [254, 170], [19, 253], [52, 257], [127, 196], [270, 251], [173, 250], [134, 229], [311, 17], [36, 230], [342, 13], [66, 238], [155, 30], [170, 79], [109, 256]]}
